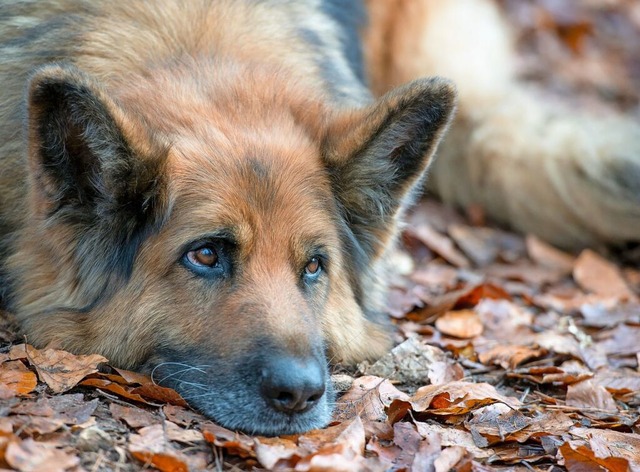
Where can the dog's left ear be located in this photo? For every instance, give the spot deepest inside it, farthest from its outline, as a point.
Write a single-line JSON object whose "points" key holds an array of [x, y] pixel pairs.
{"points": [[379, 155]]}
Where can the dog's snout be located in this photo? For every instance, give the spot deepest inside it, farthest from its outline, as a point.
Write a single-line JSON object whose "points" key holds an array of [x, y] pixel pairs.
{"points": [[292, 385]]}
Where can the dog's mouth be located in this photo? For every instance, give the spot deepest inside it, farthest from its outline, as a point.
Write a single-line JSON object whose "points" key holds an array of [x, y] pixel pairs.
{"points": [[281, 395]]}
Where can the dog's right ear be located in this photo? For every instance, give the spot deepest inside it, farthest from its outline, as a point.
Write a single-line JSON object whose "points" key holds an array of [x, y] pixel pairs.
{"points": [[91, 169], [377, 156]]}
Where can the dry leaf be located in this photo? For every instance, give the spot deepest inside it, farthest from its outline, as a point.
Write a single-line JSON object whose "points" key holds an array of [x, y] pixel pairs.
{"points": [[16, 379], [367, 398], [457, 398], [151, 446], [135, 417], [583, 459], [548, 256], [32, 456], [509, 356], [440, 244], [587, 394], [597, 275], [460, 324], [60, 370]]}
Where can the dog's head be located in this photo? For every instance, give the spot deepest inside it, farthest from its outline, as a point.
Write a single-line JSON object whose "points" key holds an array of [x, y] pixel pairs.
{"points": [[229, 241]]}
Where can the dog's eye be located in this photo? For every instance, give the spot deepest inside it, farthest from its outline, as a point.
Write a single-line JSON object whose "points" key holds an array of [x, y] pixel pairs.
{"points": [[204, 257], [313, 267]]}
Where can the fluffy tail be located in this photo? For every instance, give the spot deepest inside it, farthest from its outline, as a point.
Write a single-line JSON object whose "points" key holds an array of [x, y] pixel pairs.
{"points": [[571, 179]]}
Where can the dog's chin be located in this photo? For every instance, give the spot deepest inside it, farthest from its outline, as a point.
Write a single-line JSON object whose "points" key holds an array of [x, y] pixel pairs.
{"points": [[245, 411], [231, 398], [257, 418]]}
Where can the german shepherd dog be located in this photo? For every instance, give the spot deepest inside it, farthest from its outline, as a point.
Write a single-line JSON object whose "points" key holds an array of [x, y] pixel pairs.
{"points": [[208, 190]]}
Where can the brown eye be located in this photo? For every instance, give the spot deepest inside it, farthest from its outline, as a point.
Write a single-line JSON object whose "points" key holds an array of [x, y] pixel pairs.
{"points": [[312, 267], [204, 257]]}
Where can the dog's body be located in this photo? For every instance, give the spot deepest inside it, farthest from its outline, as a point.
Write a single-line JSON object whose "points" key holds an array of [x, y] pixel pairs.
{"points": [[208, 190]]}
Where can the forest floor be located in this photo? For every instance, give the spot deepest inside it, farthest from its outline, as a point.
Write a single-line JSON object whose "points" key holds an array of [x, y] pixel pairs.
{"points": [[511, 354]]}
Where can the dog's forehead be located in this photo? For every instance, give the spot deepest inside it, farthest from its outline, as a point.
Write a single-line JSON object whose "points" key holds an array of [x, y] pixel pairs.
{"points": [[272, 191]]}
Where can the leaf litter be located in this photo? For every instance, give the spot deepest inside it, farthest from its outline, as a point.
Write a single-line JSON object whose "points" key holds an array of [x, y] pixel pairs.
{"points": [[511, 354]]}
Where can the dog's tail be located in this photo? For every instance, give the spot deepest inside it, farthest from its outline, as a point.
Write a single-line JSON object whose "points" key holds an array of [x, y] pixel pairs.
{"points": [[537, 166]]}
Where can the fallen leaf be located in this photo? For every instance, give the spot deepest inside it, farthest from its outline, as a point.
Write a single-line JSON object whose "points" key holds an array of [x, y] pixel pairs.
{"points": [[587, 394], [583, 459], [60, 370], [367, 399], [234, 443], [135, 417], [479, 244], [120, 390], [151, 446], [456, 398], [460, 324], [16, 379], [453, 436], [31, 456], [452, 459], [597, 275], [610, 443], [510, 356], [440, 244], [160, 394], [467, 297], [549, 256]]}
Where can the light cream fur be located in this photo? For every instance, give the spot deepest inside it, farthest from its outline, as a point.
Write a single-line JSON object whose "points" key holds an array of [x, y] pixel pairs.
{"points": [[571, 178]]}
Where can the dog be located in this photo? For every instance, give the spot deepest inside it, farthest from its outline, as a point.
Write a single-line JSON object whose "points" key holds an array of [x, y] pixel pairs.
{"points": [[208, 191]]}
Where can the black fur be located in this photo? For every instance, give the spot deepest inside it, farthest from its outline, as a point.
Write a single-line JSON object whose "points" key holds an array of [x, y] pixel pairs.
{"points": [[92, 177]]}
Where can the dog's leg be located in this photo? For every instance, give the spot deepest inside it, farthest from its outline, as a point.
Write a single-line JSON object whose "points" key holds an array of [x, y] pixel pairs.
{"points": [[572, 179]]}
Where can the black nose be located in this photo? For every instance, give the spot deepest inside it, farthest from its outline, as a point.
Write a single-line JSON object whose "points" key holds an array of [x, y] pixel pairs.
{"points": [[291, 384]]}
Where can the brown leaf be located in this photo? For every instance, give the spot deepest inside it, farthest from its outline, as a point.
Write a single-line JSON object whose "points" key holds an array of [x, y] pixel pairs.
{"points": [[568, 373], [622, 340], [345, 454], [182, 416], [548, 256], [135, 417], [587, 394], [597, 275], [526, 272], [600, 315], [160, 394], [31, 456], [460, 324], [151, 446], [452, 459], [278, 453], [120, 390], [440, 244], [60, 370], [457, 398], [452, 436], [582, 459], [467, 297], [367, 398], [497, 423], [234, 443], [481, 245], [133, 377], [609, 443], [16, 379], [509, 356]]}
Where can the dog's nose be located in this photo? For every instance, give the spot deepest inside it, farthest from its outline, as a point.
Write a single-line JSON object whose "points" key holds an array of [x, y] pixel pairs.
{"points": [[292, 385]]}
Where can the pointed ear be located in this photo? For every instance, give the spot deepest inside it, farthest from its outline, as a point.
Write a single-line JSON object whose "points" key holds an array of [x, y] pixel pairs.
{"points": [[378, 156], [87, 172]]}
